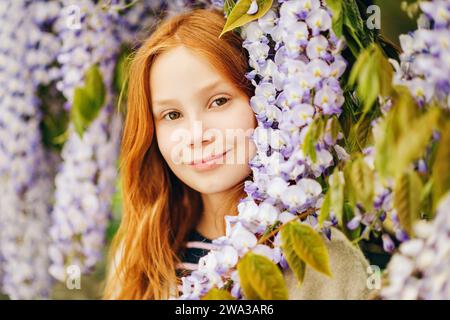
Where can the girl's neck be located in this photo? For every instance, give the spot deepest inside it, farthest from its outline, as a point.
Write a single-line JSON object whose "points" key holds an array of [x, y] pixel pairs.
{"points": [[212, 220], [209, 229]]}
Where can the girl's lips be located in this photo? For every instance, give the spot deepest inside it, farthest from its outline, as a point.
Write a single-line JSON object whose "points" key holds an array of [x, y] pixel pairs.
{"points": [[209, 163]]}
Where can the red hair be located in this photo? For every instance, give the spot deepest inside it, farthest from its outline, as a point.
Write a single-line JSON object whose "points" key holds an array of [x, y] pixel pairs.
{"points": [[159, 210]]}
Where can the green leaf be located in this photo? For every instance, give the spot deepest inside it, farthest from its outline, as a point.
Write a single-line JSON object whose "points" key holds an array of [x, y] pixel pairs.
{"points": [[95, 88], [369, 85], [315, 131], [334, 127], [358, 66], [54, 122], [396, 145], [309, 246], [412, 144], [364, 131], [218, 294], [325, 209], [404, 110], [338, 16], [426, 201], [88, 100], [354, 26], [373, 74], [362, 178], [309, 145], [353, 17], [360, 134], [355, 47], [337, 184], [407, 191], [296, 264], [81, 102], [384, 146], [441, 166], [228, 6], [247, 283], [239, 17], [260, 278], [111, 229], [349, 192]]}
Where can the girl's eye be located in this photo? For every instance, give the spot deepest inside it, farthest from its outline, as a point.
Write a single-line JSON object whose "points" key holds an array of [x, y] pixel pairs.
{"points": [[220, 101], [173, 115]]}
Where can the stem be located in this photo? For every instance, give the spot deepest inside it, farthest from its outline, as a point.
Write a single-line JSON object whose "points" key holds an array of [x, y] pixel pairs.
{"points": [[132, 3], [275, 231]]}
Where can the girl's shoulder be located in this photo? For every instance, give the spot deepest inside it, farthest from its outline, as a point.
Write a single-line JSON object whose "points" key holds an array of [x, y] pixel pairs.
{"points": [[350, 273]]}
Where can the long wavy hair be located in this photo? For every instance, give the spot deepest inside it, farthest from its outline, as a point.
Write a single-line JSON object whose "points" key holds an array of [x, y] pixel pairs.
{"points": [[159, 210]]}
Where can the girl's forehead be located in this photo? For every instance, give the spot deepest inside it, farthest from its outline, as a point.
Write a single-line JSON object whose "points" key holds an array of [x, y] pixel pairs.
{"points": [[179, 62], [181, 71]]}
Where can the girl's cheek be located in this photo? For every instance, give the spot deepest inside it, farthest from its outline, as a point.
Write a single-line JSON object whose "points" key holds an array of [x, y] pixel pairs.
{"points": [[174, 148], [164, 143], [232, 126]]}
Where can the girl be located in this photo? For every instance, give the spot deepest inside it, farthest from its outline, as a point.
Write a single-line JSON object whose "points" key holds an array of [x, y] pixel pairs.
{"points": [[184, 160]]}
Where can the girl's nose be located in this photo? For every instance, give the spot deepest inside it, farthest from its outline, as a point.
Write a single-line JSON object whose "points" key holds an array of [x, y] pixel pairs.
{"points": [[199, 135]]}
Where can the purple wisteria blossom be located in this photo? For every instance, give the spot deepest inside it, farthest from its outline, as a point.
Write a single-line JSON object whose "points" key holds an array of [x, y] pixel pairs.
{"points": [[425, 61], [92, 34], [420, 270], [425, 69], [296, 65], [85, 179], [27, 49]]}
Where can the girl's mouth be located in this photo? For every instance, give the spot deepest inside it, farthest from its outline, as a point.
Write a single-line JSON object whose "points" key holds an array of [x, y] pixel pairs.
{"points": [[209, 162]]}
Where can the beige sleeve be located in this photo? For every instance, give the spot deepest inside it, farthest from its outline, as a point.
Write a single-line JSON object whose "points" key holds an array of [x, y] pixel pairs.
{"points": [[349, 270]]}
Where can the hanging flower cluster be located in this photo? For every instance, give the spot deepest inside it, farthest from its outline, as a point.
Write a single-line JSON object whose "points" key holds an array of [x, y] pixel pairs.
{"points": [[91, 35], [420, 269], [425, 70], [45, 42], [27, 49], [296, 65], [84, 186], [372, 221], [425, 61]]}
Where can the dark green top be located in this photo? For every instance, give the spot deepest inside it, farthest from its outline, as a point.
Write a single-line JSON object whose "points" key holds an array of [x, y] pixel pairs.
{"points": [[195, 251]]}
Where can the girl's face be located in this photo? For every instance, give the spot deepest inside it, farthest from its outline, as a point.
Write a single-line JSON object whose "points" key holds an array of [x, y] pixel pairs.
{"points": [[199, 114]]}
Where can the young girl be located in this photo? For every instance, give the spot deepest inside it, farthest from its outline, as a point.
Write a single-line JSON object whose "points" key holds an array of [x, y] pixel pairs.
{"points": [[184, 160]]}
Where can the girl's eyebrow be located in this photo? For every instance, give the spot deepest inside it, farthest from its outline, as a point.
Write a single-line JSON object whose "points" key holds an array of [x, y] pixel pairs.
{"points": [[210, 86], [201, 91], [165, 101]]}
